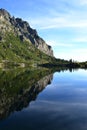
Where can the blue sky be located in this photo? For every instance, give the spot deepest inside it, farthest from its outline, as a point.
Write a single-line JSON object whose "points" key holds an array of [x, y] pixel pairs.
{"points": [[61, 23]]}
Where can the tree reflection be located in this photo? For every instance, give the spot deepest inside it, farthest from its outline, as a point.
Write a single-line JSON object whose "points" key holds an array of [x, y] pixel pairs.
{"points": [[19, 87]]}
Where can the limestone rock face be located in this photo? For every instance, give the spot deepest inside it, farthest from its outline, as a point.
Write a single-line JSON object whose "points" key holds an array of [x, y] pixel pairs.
{"points": [[23, 30]]}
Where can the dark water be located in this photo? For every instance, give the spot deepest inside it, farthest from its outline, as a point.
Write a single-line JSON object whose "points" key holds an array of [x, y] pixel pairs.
{"points": [[43, 100]]}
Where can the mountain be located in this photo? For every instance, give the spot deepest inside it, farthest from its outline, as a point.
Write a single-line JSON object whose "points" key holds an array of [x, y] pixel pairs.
{"points": [[19, 42]]}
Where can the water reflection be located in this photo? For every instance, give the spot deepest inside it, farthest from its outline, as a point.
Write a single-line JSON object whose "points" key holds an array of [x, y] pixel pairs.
{"points": [[61, 106], [19, 87]]}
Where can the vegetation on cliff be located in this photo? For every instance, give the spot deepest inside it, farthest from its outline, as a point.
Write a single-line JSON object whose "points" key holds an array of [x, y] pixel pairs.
{"points": [[21, 45], [12, 49]]}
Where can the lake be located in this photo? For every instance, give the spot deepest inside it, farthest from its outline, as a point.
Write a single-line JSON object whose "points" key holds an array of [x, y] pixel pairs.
{"points": [[43, 99]]}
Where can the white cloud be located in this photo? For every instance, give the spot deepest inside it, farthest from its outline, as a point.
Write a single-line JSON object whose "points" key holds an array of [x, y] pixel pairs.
{"points": [[81, 51], [83, 2], [71, 20], [69, 15], [80, 39], [74, 17], [55, 44], [75, 54]]}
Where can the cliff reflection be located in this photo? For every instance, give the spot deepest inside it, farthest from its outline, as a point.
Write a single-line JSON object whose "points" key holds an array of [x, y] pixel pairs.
{"points": [[19, 87]]}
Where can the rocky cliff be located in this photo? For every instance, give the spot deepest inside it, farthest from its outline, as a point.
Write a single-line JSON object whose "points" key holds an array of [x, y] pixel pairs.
{"points": [[23, 30]]}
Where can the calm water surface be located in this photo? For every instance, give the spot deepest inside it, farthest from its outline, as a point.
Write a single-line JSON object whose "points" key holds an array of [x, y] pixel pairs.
{"points": [[61, 104]]}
